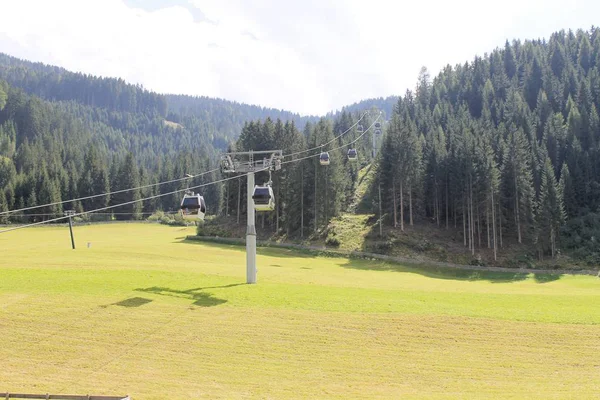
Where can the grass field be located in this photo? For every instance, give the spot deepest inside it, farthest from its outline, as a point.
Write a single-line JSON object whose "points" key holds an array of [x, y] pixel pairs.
{"points": [[145, 313]]}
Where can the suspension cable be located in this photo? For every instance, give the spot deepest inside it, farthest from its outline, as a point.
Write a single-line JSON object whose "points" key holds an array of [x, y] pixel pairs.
{"points": [[109, 193], [126, 203], [331, 141], [336, 148]]}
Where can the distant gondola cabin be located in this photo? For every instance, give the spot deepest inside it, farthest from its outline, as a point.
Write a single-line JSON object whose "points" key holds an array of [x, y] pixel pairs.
{"points": [[352, 155]]}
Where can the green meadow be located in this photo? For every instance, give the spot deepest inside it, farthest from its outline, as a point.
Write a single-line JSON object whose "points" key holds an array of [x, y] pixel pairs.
{"points": [[143, 312]]}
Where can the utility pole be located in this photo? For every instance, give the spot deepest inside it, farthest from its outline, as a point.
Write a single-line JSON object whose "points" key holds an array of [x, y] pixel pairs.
{"points": [[244, 162], [69, 214]]}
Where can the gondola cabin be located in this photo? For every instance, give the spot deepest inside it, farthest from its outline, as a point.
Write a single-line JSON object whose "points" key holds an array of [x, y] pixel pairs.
{"points": [[324, 158], [263, 197], [378, 131], [360, 129], [352, 155], [193, 207], [377, 125]]}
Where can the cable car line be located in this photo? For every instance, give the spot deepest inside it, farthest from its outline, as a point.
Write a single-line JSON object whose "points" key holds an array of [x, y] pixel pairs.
{"points": [[188, 176], [169, 193], [332, 140], [336, 148], [52, 214], [123, 204]]}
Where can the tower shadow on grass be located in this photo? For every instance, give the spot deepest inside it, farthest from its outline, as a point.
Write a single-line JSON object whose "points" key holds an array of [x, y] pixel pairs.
{"points": [[201, 299]]}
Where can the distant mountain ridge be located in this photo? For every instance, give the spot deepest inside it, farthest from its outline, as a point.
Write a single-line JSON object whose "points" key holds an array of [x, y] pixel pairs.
{"points": [[55, 83], [386, 104]]}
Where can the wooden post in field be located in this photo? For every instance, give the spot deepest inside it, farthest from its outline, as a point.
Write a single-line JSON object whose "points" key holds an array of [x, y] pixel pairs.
{"points": [[69, 214]]}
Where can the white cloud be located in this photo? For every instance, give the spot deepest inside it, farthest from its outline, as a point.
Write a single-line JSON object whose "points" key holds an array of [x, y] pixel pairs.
{"points": [[306, 56]]}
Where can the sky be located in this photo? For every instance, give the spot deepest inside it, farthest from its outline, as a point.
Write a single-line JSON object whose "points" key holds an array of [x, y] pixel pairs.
{"points": [[306, 56]]}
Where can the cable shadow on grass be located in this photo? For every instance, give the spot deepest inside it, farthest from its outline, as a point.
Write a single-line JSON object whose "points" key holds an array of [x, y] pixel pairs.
{"points": [[439, 272], [201, 299]]}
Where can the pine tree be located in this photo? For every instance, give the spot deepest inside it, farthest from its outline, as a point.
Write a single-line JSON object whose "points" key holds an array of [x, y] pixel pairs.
{"points": [[4, 219], [550, 214], [519, 174], [3, 96], [510, 62], [584, 56], [127, 178]]}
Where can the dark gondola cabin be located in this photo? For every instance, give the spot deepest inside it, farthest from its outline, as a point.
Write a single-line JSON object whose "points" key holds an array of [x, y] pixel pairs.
{"points": [[324, 158], [352, 155], [193, 207], [360, 129], [378, 131], [377, 125], [263, 197]]}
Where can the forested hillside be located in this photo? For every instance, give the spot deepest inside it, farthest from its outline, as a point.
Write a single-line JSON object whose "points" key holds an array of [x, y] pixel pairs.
{"points": [[228, 117], [503, 148], [66, 135], [55, 83], [50, 151], [307, 194], [386, 104]]}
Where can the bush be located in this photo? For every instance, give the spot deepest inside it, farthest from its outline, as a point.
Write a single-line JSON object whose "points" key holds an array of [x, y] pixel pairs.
{"points": [[581, 236], [384, 247], [477, 261], [157, 216], [212, 229], [165, 220], [178, 220], [332, 241], [424, 246]]}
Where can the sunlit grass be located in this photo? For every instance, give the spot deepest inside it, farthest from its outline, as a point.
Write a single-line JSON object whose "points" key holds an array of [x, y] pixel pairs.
{"points": [[143, 312]]}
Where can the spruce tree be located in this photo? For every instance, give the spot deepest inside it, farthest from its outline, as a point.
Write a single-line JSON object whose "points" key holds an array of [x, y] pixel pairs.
{"points": [[550, 214]]}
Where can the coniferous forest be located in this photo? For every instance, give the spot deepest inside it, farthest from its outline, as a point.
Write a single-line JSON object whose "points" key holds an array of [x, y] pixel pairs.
{"points": [[502, 149]]}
